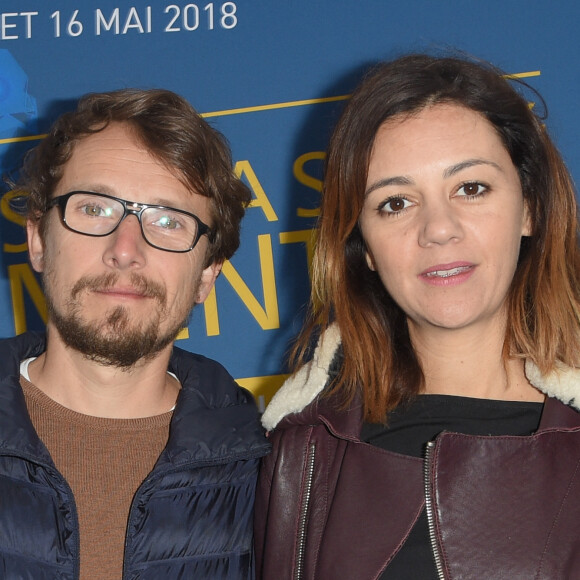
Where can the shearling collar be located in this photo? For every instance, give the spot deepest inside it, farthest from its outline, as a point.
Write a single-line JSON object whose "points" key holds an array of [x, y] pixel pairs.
{"points": [[304, 386]]}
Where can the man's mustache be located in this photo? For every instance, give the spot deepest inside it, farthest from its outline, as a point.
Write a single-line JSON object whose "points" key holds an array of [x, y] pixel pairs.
{"points": [[145, 287]]}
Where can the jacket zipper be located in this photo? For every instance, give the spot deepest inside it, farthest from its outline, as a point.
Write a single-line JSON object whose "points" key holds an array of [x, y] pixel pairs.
{"points": [[429, 508], [304, 512]]}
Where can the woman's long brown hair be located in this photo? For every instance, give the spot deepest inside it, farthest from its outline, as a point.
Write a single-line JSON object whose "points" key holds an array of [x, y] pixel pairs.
{"points": [[544, 300]]}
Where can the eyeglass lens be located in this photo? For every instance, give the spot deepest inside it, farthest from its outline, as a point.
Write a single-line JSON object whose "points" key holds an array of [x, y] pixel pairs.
{"points": [[98, 216]]}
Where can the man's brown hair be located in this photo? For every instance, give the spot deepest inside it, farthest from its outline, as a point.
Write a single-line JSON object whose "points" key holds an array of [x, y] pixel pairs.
{"points": [[172, 131]]}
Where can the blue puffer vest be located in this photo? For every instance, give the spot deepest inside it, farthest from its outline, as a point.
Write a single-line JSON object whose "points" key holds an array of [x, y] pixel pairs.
{"points": [[191, 517]]}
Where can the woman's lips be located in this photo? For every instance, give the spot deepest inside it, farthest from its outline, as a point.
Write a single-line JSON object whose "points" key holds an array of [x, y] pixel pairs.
{"points": [[447, 274]]}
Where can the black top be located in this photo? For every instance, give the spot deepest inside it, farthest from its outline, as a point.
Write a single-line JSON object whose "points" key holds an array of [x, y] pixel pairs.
{"points": [[409, 429]]}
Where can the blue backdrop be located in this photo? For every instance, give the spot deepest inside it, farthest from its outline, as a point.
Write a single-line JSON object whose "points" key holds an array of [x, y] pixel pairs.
{"points": [[272, 76]]}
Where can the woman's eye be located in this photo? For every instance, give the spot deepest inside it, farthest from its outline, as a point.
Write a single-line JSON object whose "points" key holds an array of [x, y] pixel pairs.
{"points": [[472, 189], [395, 205]]}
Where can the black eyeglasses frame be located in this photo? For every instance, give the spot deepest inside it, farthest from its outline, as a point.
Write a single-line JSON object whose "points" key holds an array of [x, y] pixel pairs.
{"points": [[137, 210]]}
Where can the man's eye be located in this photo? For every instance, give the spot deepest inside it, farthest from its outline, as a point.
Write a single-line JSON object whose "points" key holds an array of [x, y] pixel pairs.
{"points": [[167, 223], [94, 211]]}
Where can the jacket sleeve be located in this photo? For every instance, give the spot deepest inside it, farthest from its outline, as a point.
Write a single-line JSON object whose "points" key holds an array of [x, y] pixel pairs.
{"points": [[261, 511], [278, 504]]}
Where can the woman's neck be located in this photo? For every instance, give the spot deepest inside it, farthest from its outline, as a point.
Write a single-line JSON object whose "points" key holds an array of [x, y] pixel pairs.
{"points": [[470, 363]]}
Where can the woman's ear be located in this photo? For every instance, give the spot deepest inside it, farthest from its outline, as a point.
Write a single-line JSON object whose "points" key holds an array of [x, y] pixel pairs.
{"points": [[370, 261], [527, 228]]}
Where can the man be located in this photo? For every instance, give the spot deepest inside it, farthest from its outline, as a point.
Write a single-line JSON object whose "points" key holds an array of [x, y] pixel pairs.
{"points": [[120, 455]]}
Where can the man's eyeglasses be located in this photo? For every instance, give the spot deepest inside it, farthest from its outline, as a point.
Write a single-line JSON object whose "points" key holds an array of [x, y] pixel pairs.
{"points": [[97, 214]]}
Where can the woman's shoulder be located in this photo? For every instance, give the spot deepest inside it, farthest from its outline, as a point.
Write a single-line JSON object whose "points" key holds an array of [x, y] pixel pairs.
{"points": [[298, 396], [563, 383]]}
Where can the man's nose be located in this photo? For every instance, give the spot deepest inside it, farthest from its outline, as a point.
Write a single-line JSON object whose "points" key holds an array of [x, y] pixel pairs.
{"points": [[126, 245]]}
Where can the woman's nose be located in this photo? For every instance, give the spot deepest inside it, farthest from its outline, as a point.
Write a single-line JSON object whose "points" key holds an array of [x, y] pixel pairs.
{"points": [[439, 225]]}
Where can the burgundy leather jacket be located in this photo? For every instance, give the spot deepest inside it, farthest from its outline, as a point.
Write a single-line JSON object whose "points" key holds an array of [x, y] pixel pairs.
{"points": [[330, 507]]}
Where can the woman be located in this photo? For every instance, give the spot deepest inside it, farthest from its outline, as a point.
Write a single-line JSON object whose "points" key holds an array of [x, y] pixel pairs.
{"points": [[435, 432]]}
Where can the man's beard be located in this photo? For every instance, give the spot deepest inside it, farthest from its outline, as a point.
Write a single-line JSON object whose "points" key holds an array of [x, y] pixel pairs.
{"points": [[116, 341]]}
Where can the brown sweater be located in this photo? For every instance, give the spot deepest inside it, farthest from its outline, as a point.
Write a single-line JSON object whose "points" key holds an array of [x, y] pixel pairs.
{"points": [[104, 461]]}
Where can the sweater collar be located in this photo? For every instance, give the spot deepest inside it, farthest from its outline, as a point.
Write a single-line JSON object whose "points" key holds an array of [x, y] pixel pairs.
{"points": [[303, 387], [214, 420]]}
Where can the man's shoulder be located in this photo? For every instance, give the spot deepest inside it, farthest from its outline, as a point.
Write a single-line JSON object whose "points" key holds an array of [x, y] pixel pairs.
{"points": [[18, 348], [208, 377], [212, 408], [183, 357]]}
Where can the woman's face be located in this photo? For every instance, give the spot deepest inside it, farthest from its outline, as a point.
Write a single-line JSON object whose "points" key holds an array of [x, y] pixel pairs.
{"points": [[443, 217]]}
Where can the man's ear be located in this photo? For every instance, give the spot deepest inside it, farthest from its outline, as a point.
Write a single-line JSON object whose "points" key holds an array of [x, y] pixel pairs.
{"points": [[207, 281], [35, 245]]}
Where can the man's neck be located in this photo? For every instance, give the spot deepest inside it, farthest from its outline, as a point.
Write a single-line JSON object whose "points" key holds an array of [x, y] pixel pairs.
{"points": [[85, 386]]}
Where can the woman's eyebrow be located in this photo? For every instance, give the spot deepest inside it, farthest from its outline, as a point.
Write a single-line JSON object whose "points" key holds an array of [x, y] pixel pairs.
{"points": [[450, 171], [396, 180]]}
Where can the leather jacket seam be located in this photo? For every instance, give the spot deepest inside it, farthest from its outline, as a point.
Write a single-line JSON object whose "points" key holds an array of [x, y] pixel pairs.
{"points": [[554, 523]]}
